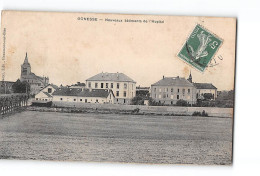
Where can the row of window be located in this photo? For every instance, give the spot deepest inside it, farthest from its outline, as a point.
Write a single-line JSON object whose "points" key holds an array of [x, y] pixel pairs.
{"points": [[167, 96], [171, 90], [107, 85], [41, 99], [117, 93], [86, 100]]}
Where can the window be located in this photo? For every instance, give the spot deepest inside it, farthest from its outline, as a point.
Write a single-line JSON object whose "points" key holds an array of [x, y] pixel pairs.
{"points": [[125, 85], [89, 84], [80, 99], [61, 99], [112, 85], [36, 98], [188, 91], [86, 100], [155, 89], [74, 99], [178, 97], [124, 93], [49, 90], [167, 90], [96, 85], [117, 93], [171, 89], [171, 102], [167, 96], [96, 100], [178, 90], [183, 91], [154, 95], [102, 85], [106, 85], [164, 95], [117, 85], [117, 100], [124, 100]]}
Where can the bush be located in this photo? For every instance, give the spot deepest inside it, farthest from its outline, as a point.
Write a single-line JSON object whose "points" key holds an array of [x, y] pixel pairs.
{"points": [[208, 96], [138, 100], [136, 110], [182, 103], [197, 113], [204, 114]]}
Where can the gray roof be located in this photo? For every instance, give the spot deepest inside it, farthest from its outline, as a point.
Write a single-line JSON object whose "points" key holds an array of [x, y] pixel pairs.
{"points": [[173, 81], [47, 94], [204, 86], [67, 91], [52, 85], [82, 93], [117, 77], [95, 93]]}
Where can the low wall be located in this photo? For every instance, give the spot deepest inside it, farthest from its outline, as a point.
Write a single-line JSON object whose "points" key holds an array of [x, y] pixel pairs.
{"points": [[212, 111]]}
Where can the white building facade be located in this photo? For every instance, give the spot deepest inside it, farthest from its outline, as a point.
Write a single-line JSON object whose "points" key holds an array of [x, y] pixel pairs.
{"points": [[122, 86], [46, 93], [77, 95], [171, 89]]}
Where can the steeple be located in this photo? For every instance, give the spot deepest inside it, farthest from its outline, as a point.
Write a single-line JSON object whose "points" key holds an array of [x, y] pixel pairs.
{"points": [[190, 78], [26, 59], [25, 67]]}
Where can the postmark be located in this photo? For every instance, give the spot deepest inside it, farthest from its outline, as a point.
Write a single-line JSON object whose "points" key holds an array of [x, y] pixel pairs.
{"points": [[200, 48]]}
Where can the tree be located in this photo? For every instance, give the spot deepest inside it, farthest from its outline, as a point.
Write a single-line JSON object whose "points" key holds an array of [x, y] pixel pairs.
{"points": [[208, 96], [138, 100], [21, 87], [182, 103]]}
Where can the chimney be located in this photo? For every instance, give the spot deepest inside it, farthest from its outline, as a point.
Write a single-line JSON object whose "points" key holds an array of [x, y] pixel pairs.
{"points": [[163, 77], [117, 75]]}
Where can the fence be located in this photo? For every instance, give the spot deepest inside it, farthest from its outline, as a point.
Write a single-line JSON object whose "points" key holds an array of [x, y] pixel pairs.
{"points": [[212, 111], [11, 102]]}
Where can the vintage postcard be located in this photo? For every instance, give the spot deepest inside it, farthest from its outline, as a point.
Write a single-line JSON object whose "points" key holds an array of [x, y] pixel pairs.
{"points": [[117, 88]]}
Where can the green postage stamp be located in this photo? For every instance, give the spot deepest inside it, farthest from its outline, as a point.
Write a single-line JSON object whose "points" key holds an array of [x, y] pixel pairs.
{"points": [[200, 48]]}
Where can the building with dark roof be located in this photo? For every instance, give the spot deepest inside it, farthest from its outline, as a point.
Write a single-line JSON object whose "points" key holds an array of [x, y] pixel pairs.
{"points": [[122, 86], [169, 90], [204, 88], [36, 82], [45, 94], [78, 95]]}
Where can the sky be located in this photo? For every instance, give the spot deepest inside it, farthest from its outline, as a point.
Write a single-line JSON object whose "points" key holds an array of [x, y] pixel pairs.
{"points": [[68, 50]]}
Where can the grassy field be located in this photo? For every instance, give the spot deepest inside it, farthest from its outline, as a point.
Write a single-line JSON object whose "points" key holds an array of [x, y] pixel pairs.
{"points": [[116, 138]]}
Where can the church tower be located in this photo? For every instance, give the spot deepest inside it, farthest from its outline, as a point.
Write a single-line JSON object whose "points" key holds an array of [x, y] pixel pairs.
{"points": [[190, 78], [25, 67]]}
